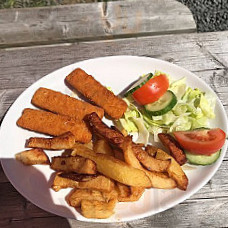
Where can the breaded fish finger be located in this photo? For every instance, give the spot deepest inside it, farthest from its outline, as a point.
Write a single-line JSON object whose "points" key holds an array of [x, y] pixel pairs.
{"points": [[53, 124], [100, 95], [63, 104]]}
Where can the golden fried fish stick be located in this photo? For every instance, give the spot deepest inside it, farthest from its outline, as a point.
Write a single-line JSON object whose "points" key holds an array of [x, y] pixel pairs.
{"points": [[63, 104], [53, 124], [100, 95]]}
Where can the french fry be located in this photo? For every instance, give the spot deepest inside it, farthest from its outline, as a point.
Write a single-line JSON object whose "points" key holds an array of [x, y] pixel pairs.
{"points": [[151, 150], [123, 191], [174, 170], [73, 164], [129, 157], [100, 183], [174, 148], [64, 141], [151, 163], [75, 197], [89, 145], [100, 129], [33, 157], [61, 183], [101, 146], [158, 180], [136, 193], [128, 193], [118, 154], [114, 168], [124, 132], [98, 209]]}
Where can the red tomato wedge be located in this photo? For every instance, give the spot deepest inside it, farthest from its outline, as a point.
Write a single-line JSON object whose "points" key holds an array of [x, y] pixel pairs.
{"points": [[152, 90], [205, 142]]}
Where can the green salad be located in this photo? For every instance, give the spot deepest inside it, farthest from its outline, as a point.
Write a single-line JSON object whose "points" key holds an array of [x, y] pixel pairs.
{"points": [[190, 109]]}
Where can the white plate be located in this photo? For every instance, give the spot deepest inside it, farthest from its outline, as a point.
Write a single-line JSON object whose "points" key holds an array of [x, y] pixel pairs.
{"points": [[118, 72]]}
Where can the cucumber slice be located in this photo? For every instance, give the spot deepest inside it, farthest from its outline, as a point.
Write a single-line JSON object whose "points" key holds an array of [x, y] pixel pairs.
{"points": [[164, 104], [142, 81], [196, 159]]}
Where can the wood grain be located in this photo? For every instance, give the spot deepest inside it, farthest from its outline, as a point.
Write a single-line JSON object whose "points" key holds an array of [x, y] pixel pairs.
{"points": [[204, 54], [93, 21]]}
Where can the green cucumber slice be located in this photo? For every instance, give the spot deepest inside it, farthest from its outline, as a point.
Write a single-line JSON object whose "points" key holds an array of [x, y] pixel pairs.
{"points": [[196, 159], [142, 81], [164, 104]]}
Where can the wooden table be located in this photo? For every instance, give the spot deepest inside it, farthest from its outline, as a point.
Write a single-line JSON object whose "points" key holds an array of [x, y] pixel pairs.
{"points": [[27, 55]]}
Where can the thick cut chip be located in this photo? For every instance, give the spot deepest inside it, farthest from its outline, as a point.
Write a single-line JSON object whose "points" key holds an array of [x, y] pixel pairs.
{"points": [[114, 168], [53, 124], [118, 154], [123, 191], [128, 193], [129, 155], [136, 193], [74, 199], [151, 150], [98, 209], [116, 138], [64, 141], [78, 195], [149, 162], [63, 104], [158, 179], [113, 136], [101, 146], [113, 105], [73, 164], [174, 148], [174, 170], [94, 182], [33, 157]]}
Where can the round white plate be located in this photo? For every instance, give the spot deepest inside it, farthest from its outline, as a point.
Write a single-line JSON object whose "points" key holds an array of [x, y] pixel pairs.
{"points": [[34, 182]]}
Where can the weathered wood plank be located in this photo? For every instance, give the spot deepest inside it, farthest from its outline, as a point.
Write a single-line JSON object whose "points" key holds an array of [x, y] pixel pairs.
{"points": [[204, 54], [197, 213], [93, 21], [196, 52], [56, 222], [3, 178], [183, 215]]}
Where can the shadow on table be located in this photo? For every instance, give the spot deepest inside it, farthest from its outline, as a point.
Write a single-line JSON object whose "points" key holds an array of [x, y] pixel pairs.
{"points": [[33, 185]]}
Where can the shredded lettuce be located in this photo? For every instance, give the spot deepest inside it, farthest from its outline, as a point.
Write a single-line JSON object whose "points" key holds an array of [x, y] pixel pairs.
{"points": [[143, 133], [193, 110], [178, 87]]}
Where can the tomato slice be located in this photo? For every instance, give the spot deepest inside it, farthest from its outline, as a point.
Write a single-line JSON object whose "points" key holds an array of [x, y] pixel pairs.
{"points": [[205, 142], [152, 90]]}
